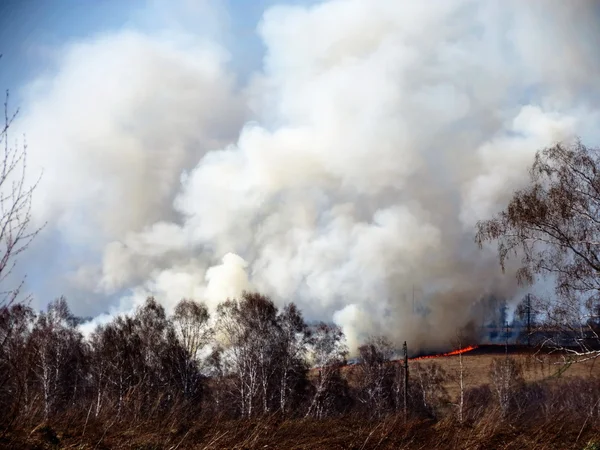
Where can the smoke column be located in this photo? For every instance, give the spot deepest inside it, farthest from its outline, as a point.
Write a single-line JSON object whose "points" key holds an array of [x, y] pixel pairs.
{"points": [[351, 168]]}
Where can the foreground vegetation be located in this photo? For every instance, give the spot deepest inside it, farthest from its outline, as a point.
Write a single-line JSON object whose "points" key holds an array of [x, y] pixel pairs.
{"points": [[347, 432], [243, 379]]}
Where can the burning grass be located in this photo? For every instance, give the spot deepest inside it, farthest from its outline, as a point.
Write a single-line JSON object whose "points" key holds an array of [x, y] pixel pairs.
{"points": [[457, 352]]}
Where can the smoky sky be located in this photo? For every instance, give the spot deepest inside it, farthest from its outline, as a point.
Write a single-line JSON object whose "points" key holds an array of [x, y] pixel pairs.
{"points": [[346, 169]]}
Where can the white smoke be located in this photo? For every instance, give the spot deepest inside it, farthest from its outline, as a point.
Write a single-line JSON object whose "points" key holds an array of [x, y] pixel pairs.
{"points": [[381, 131]]}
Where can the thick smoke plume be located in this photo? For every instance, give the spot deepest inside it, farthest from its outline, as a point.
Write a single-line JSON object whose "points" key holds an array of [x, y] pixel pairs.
{"points": [[345, 175]]}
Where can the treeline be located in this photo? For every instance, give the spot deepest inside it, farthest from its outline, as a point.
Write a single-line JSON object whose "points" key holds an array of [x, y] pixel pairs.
{"points": [[250, 360]]}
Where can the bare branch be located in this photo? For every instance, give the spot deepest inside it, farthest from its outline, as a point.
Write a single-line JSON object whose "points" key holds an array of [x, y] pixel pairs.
{"points": [[16, 232], [553, 227]]}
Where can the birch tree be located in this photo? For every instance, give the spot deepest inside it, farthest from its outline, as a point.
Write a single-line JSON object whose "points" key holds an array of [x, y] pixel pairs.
{"points": [[57, 350], [191, 324], [506, 375], [251, 333], [376, 375], [15, 327], [461, 340], [293, 341], [330, 389], [552, 228]]}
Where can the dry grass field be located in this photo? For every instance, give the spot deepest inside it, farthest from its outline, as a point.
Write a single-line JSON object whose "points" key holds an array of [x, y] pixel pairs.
{"points": [[536, 367], [490, 431], [348, 432]]}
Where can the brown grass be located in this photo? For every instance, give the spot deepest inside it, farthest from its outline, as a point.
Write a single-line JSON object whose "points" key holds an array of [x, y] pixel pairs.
{"points": [[351, 432], [340, 433], [535, 368]]}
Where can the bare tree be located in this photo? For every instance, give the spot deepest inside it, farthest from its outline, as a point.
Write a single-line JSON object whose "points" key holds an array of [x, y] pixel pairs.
{"points": [[430, 378], [118, 362], [506, 375], [460, 341], [191, 323], [139, 366], [16, 232], [100, 367], [293, 341], [15, 326], [553, 226], [526, 315], [261, 357], [329, 352], [251, 333], [376, 375], [56, 348], [222, 393], [182, 381]]}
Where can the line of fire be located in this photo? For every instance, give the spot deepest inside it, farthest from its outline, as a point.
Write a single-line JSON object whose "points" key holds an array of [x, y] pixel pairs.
{"points": [[503, 329]]}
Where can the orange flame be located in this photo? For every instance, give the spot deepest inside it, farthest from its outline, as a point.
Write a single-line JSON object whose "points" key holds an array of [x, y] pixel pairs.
{"points": [[452, 353]]}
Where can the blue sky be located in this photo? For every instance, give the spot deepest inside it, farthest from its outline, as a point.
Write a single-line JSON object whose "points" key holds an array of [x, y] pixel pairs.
{"points": [[29, 28]]}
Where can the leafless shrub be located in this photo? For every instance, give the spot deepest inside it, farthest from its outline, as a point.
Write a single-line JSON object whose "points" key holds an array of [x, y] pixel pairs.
{"points": [[578, 398], [478, 400], [428, 392], [530, 401]]}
